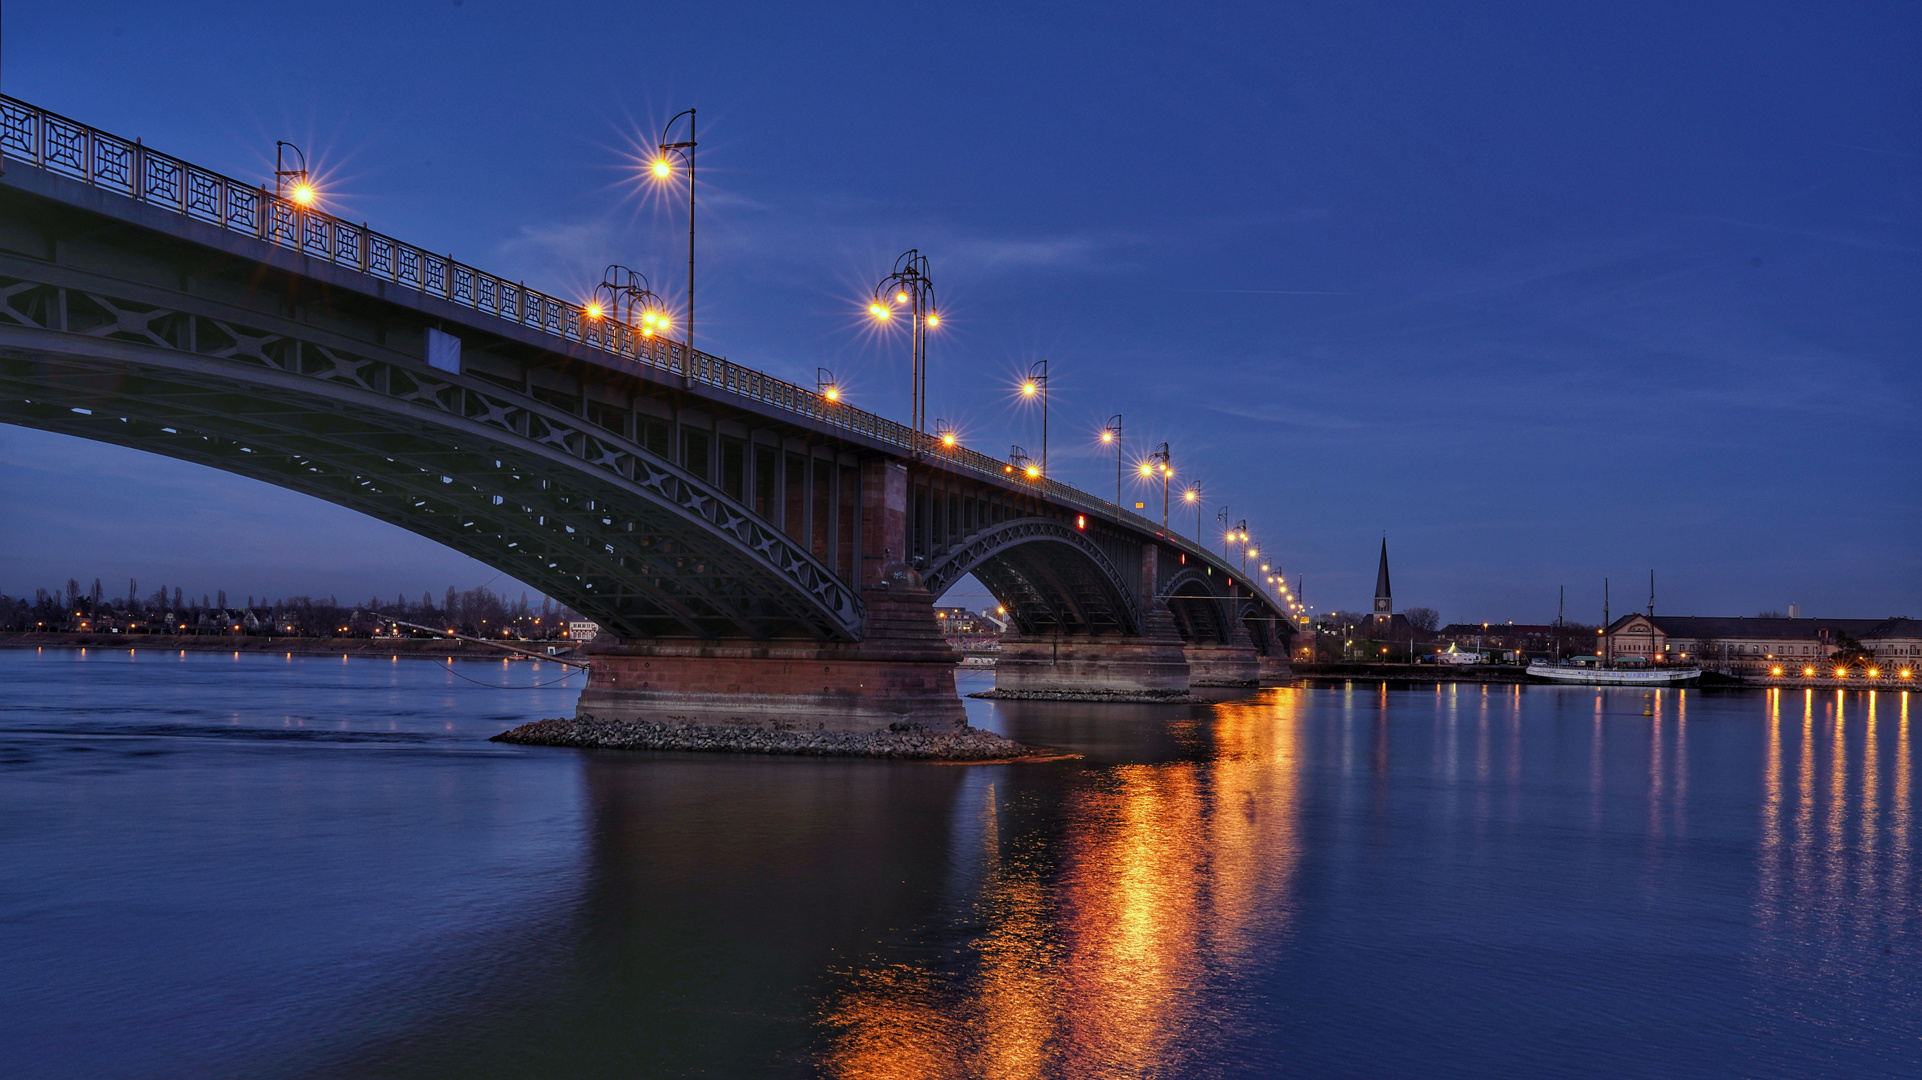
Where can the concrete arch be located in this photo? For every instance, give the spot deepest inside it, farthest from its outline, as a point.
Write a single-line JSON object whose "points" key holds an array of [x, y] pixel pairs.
{"points": [[1049, 575], [577, 511]]}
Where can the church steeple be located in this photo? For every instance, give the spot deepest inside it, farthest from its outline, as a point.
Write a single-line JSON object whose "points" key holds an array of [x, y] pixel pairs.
{"points": [[1384, 598]]}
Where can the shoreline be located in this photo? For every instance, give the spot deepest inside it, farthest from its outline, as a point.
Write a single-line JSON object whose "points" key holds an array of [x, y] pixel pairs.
{"points": [[964, 746], [403, 648]]}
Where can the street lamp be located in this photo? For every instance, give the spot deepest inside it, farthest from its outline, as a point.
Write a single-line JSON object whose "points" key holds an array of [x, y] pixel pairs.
{"points": [[623, 295], [908, 284], [1112, 434], [663, 170], [825, 385], [1193, 497], [945, 434], [1037, 384], [302, 191], [1157, 465]]}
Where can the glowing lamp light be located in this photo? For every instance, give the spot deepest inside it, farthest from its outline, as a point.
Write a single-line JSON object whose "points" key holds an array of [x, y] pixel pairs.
{"points": [[1874, 674], [1190, 495], [1841, 673], [1808, 671], [1905, 673], [933, 319], [304, 195], [1107, 436], [877, 311], [1081, 521], [662, 168], [1147, 468], [1028, 388], [1775, 671], [832, 393], [1034, 472], [593, 311], [947, 438]]}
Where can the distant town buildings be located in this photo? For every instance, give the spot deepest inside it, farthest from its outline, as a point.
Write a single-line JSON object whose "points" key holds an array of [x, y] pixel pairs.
{"points": [[1760, 645]]}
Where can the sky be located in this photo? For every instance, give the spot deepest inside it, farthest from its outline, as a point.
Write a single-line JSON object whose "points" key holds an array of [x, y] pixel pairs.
{"points": [[1546, 294]]}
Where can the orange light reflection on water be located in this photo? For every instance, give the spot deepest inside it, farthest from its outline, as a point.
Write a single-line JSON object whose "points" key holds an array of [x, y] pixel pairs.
{"points": [[1111, 959]]}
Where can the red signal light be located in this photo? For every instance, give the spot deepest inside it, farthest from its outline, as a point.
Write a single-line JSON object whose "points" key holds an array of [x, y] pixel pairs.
{"points": [[1081, 521]]}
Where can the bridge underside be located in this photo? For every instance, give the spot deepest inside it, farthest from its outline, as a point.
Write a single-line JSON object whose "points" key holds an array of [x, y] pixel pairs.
{"points": [[638, 548]]}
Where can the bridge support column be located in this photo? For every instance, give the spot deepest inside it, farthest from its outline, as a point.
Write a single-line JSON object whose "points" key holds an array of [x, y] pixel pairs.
{"points": [[899, 676], [1151, 665], [1233, 664], [1275, 668]]}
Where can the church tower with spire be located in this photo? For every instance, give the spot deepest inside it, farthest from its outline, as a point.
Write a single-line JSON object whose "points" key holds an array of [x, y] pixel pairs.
{"points": [[1384, 598]]}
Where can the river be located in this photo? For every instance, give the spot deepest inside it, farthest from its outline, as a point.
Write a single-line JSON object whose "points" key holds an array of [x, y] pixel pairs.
{"points": [[278, 866]]}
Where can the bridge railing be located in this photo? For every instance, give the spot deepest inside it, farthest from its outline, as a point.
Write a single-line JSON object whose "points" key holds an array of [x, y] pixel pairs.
{"points": [[67, 147]]}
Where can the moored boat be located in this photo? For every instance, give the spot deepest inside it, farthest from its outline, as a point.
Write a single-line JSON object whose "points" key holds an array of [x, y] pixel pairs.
{"points": [[1587, 672]]}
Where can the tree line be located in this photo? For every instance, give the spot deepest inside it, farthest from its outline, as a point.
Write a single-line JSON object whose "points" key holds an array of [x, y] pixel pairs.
{"points": [[478, 612]]}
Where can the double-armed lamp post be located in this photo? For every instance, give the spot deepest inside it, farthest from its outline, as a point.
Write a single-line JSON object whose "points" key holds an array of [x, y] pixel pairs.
{"points": [[1158, 465], [909, 288]]}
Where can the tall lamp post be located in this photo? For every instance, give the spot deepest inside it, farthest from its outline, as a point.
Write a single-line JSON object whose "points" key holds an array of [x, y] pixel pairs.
{"points": [[1193, 497], [1157, 465], [1112, 434], [1037, 383], [909, 285], [623, 296], [663, 169]]}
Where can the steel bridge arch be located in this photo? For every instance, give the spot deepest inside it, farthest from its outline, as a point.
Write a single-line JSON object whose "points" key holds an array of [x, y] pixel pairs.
{"points": [[579, 512], [1047, 573]]}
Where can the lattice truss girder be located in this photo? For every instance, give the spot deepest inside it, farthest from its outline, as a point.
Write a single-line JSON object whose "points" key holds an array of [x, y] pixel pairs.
{"points": [[1050, 576], [578, 512]]}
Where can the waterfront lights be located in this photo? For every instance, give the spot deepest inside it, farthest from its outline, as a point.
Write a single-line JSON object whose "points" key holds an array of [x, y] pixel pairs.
{"points": [[1905, 673], [1841, 673], [1775, 671], [1875, 673], [1808, 671]]}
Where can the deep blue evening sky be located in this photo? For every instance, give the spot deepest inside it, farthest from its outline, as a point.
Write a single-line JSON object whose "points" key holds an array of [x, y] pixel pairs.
{"points": [[1547, 292]]}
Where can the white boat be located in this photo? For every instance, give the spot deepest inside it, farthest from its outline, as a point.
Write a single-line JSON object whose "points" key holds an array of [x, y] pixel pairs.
{"points": [[1588, 672]]}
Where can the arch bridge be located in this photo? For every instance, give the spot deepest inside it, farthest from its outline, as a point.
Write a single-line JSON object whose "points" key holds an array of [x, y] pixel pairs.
{"points": [[762, 554]]}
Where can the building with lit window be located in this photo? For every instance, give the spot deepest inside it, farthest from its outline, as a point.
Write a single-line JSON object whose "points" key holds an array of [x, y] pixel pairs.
{"points": [[1758, 646]]}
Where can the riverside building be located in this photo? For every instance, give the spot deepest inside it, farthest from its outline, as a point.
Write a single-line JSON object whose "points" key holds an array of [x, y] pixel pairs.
{"points": [[1762, 645]]}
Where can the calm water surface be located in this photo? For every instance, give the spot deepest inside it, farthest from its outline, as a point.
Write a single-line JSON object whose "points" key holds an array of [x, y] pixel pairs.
{"points": [[267, 866]]}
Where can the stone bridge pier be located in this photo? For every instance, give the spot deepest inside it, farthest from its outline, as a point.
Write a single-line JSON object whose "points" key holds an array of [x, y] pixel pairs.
{"points": [[1151, 663], [900, 675]]}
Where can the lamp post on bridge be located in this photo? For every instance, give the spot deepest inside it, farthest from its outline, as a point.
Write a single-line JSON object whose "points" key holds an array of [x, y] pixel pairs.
{"points": [[1193, 497], [663, 169], [622, 295], [303, 187], [1037, 383], [909, 284], [1112, 434], [1157, 465]]}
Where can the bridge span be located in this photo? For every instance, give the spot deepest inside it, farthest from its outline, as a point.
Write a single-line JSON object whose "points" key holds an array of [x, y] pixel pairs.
{"points": [[762, 555]]}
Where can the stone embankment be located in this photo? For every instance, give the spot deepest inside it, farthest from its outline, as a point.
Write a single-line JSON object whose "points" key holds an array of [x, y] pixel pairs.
{"points": [[586, 733]]}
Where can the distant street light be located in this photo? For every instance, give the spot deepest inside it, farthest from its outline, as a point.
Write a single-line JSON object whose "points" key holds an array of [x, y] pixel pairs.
{"points": [[908, 284], [663, 170], [1193, 497], [825, 385]]}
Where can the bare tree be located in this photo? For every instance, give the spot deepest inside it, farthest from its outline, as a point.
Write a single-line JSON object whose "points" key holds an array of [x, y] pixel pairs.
{"points": [[1425, 619]]}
